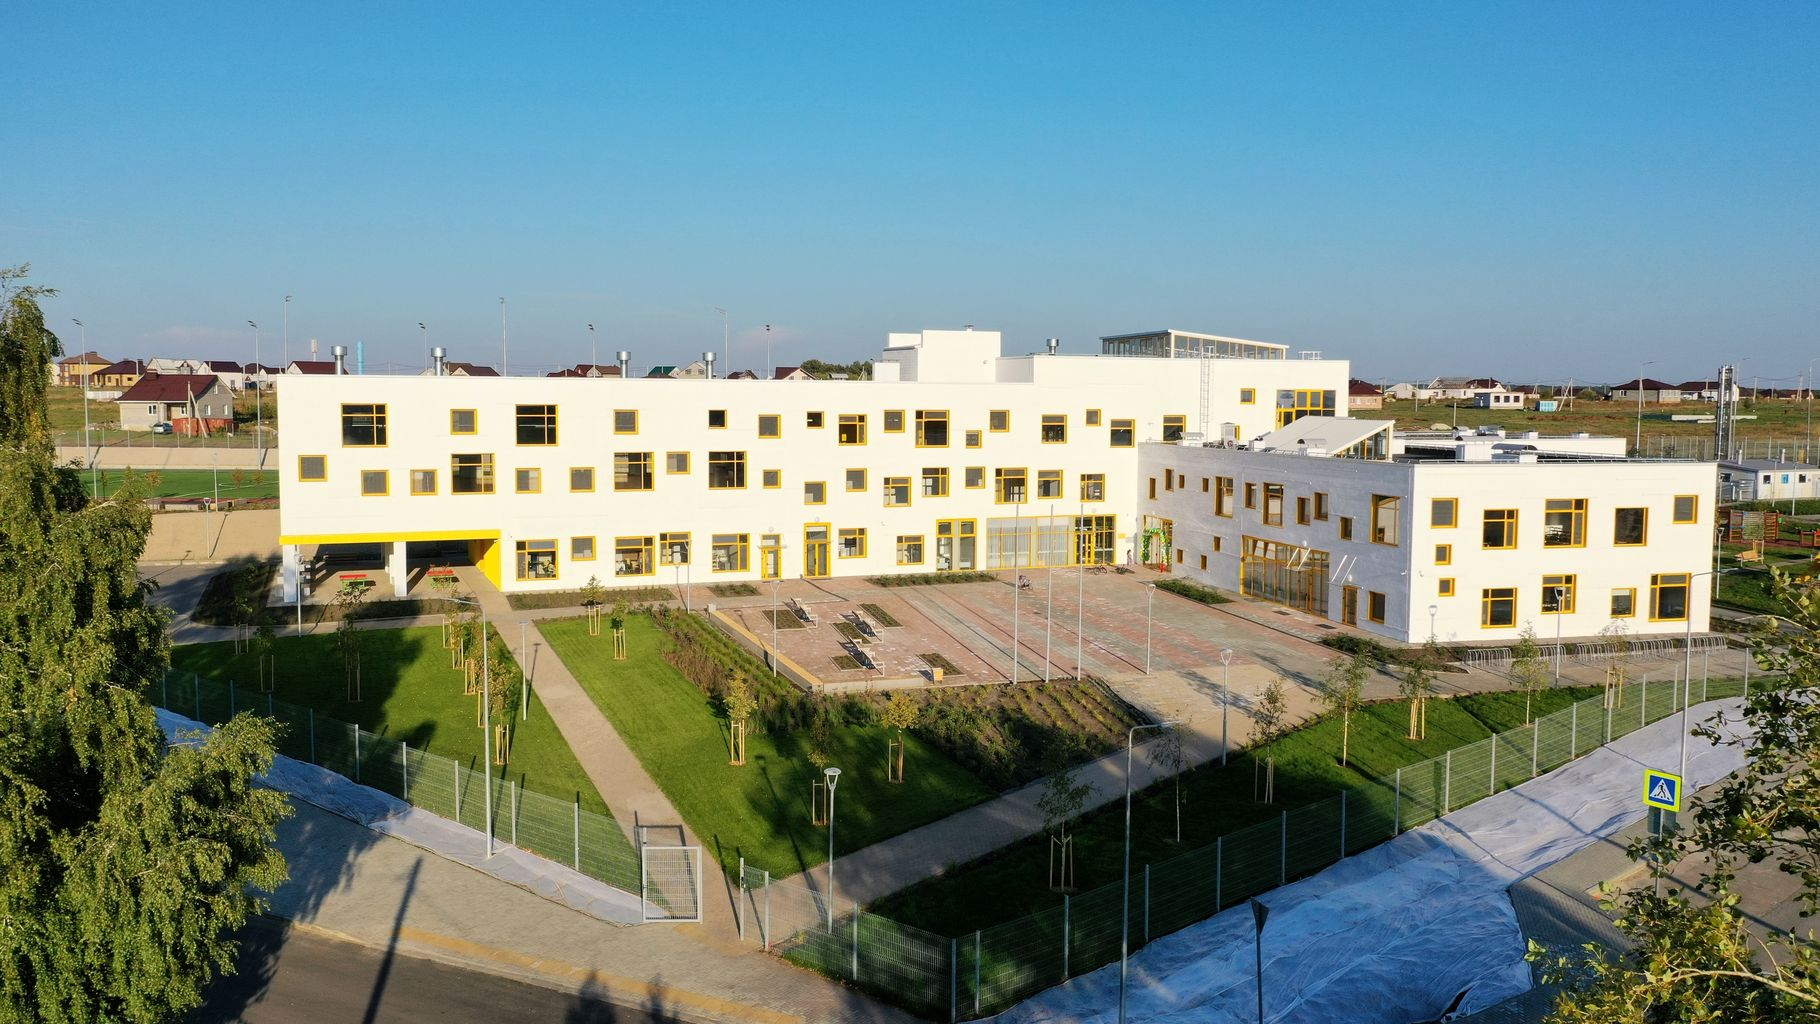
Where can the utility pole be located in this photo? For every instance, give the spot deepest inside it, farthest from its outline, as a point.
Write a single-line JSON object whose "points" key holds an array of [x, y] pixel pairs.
{"points": [[424, 333], [258, 402], [726, 339], [287, 330], [502, 336]]}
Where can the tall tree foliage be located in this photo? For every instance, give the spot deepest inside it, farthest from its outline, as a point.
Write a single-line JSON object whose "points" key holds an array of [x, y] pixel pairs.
{"points": [[124, 863]]}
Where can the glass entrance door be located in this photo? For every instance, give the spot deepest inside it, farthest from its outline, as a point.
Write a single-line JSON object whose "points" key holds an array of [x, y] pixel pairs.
{"points": [[815, 551], [770, 556], [1349, 605]]}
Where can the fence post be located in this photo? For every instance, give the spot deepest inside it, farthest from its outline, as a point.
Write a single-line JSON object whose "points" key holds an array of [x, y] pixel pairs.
{"points": [[767, 925], [512, 792], [976, 972], [740, 907], [856, 942], [1447, 783], [1573, 734], [1219, 873], [1342, 824], [578, 839], [1493, 791], [1643, 705], [1283, 855], [1608, 713], [954, 966], [457, 766], [1396, 820], [357, 753], [312, 712], [404, 769], [1535, 748], [1066, 935], [1146, 904]]}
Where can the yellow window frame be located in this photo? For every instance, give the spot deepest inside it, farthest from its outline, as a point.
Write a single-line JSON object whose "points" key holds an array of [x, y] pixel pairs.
{"points": [[857, 534], [884, 424], [1452, 505], [777, 425], [847, 479], [617, 413], [322, 463], [925, 418], [593, 549], [998, 421], [1487, 600], [518, 486], [1445, 587], [593, 480], [851, 424], [1693, 512], [415, 490], [771, 479], [821, 486], [473, 422], [385, 483], [687, 464], [1058, 421], [667, 541], [922, 548]]}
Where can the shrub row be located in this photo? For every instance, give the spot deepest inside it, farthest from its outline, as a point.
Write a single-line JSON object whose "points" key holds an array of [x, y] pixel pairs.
{"points": [[930, 579], [1192, 591]]}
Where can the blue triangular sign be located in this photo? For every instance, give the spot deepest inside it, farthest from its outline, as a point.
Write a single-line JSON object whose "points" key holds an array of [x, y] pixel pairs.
{"points": [[1662, 792]]}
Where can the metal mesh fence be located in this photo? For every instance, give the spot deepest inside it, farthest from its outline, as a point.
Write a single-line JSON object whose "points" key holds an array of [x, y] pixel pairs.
{"points": [[555, 829], [982, 973]]}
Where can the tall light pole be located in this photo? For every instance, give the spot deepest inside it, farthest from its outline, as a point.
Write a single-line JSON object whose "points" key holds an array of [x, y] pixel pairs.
{"points": [[1640, 370], [1433, 609], [768, 372], [1049, 607], [1225, 702], [287, 330], [776, 585], [1149, 602], [726, 339], [1808, 393], [258, 402], [502, 336], [832, 774], [1560, 613], [593, 350], [1687, 666], [524, 659], [423, 333], [1125, 927], [94, 487]]}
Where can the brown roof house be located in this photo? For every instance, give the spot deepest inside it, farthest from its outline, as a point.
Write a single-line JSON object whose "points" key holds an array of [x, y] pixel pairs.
{"points": [[192, 403], [1361, 394], [74, 370]]}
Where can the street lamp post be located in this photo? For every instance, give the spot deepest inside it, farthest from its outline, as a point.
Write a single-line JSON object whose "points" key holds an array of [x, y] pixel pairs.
{"points": [[768, 372], [258, 403], [423, 333], [1225, 702], [1433, 609], [1640, 370], [726, 338], [1560, 613], [1149, 602], [593, 350], [1125, 927], [776, 585], [832, 774], [524, 660], [287, 330]]}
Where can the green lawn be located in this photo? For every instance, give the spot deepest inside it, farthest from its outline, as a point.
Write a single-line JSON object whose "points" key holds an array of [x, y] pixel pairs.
{"points": [[409, 693], [1012, 882], [195, 483], [759, 811], [1750, 590]]}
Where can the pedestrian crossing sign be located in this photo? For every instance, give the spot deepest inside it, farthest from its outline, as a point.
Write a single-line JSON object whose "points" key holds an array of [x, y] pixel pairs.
{"points": [[1661, 789]]}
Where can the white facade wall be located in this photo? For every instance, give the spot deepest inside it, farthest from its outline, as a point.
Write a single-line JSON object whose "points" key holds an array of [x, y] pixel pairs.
{"points": [[1409, 574], [673, 417]]}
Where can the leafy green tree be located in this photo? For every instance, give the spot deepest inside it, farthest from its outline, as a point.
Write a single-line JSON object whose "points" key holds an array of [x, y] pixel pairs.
{"points": [[740, 705], [901, 712], [125, 862], [1416, 686], [1270, 717], [1697, 959], [1528, 672], [1342, 691]]}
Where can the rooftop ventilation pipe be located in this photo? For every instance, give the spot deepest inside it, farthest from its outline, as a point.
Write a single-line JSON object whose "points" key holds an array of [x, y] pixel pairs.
{"points": [[1054, 344], [708, 357], [625, 364], [340, 352], [438, 356]]}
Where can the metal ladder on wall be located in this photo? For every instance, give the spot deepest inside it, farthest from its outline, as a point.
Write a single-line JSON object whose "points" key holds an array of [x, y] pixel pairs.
{"points": [[1206, 396]]}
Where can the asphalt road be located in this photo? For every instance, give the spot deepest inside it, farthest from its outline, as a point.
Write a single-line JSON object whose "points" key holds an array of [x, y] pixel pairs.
{"points": [[287, 976]]}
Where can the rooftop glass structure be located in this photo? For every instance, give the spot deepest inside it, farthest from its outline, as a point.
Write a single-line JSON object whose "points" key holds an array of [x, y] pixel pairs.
{"points": [[1188, 345]]}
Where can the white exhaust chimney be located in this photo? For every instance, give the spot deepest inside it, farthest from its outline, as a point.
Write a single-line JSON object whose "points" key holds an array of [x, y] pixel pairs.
{"points": [[438, 356], [708, 357], [1054, 344], [340, 352], [625, 364]]}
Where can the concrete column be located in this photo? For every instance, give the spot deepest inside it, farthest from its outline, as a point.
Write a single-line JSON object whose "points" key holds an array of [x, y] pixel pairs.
{"points": [[290, 573], [395, 567]]}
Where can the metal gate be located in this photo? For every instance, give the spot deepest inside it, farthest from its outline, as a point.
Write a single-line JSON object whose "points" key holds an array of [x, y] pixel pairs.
{"points": [[669, 883]]}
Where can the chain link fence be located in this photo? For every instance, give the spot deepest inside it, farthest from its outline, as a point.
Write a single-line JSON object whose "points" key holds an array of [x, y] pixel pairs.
{"points": [[984, 972], [554, 829]]}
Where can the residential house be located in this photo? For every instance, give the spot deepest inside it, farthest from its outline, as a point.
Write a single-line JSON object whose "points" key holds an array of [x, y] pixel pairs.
{"points": [[1651, 390], [790, 373], [310, 368], [1497, 399], [233, 374], [191, 403], [696, 370], [118, 376], [1403, 391], [456, 369], [742, 375], [74, 370], [1362, 394], [588, 370], [1704, 391], [1767, 480]]}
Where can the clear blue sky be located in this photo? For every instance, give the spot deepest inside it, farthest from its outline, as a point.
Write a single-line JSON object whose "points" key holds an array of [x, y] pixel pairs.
{"points": [[1529, 190]]}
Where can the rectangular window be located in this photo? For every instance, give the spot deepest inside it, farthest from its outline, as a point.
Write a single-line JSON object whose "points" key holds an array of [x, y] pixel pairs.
{"points": [[770, 425], [1093, 417], [423, 481], [1204, 485], [1055, 428], [894, 421], [632, 471], [1374, 605], [852, 543], [975, 477], [717, 419], [812, 420], [1203, 563], [1009, 486], [1443, 554], [1222, 496], [998, 421], [897, 491], [1498, 607], [932, 428], [772, 479], [1301, 512], [1174, 427], [973, 439], [1320, 506], [1668, 596], [1178, 556], [1345, 527], [362, 426], [1623, 602], [1153, 488], [815, 492], [1251, 495], [1248, 396], [1630, 527], [581, 549], [537, 559], [1168, 479], [1093, 487], [676, 462], [935, 481], [729, 552], [1217, 543], [312, 468], [463, 421], [909, 549], [1687, 506], [625, 421], [1564, 523], [1445, 587], [471, 474], [375, 483], [726, 470], [1123, 433], [581, 479], [1049, 483], [856, 479], [1273, 504], [851, 429], [1500, 528], [536, 424], [1444, 513], [673, 549], [1386, 519], [1558, 593], [528, 481], [632, 556]]}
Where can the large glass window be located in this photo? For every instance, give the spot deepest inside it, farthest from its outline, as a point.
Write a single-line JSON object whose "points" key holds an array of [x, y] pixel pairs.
{"points": [[1498, 607], [909, 549], [851, 428], [632, 471], [851, 543], [726, 470], [935, 481], [1386, 519], [1564, 523], [471, 474], [1055, 428], [1558, 593], [536, 424], [673, 549], [730, 552], [1093, 487], [1273, 504], [1668, 596], [1293, 405], [1174, 426], [537, 559], [632, 556], [1500, 528], [897, 491], [1009, 485], [1630, 527], [932, 428], [1049, 483], [1123, 433], [363, 426]]}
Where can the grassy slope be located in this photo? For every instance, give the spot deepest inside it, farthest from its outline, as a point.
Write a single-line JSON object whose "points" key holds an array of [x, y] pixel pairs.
{"points": [[195, 483], [760, 811], [1012, 882], [411, 694]]}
